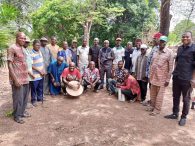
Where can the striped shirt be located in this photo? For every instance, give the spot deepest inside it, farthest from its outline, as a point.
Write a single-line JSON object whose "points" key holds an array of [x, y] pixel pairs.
{"points": [[38, 63], [161, 67]]}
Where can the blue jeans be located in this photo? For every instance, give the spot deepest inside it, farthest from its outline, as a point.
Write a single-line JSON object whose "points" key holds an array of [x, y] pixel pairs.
{"points": [[112, 85], [36, 90]]}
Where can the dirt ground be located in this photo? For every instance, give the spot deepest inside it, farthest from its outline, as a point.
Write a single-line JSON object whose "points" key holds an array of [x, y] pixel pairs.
{"points": [[91, 120]]}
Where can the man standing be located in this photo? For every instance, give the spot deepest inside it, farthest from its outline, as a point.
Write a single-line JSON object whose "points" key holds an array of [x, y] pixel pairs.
{"points": [[83, 54], [136, 53], [160, 74], [130, 88], [55, 70], [128, 56], [65, 53], [54, 48], [182, 75], [140, 71], [73, 50], [18, 74], [106, 57], [47, 58], [91, 77], [94, 52], [38, 72], [155, 48], [117, 77], [119, 52]]}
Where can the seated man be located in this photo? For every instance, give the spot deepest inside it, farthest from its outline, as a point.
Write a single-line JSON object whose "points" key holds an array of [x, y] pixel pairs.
{"points": [[117, 77], [91, 77], [130, 88], [55, 70], [68, 75]]}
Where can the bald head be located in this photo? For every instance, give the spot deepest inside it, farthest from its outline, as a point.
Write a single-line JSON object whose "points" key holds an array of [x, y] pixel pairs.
{"points": [[91, 65], [126, 73], [20, 38], [60, 60]]}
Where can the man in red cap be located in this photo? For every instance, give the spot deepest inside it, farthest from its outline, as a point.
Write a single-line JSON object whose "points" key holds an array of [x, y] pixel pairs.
{"points": [[156, 38]]}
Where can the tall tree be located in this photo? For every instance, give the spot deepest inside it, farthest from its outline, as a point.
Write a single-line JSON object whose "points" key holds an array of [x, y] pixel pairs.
{"points": [[165, 17]]}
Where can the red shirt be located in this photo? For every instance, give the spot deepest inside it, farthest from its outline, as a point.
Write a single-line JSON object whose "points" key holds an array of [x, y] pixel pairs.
{"points": [[75, 75], [131, 84], [17, 57]]}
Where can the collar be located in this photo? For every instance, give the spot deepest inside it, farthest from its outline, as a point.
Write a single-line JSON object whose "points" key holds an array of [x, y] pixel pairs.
{"points": [[187, 45], [35, 51]]}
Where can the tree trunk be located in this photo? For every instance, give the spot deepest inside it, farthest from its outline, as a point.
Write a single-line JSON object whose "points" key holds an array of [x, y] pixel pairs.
{"points": [[165, 17], [87, 29]]}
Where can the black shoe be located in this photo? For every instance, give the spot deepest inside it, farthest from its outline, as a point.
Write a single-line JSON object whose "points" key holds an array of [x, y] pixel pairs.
{"points": [[100, 87], [182, 122], [19, 120], [26, 115], [172, 116], [193, 104]]}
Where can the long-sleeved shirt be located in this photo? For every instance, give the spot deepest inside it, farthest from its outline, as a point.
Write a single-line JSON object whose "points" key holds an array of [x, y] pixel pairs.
{"points": [[135, 54], [131, 84], [161, 67], [149, 60]]}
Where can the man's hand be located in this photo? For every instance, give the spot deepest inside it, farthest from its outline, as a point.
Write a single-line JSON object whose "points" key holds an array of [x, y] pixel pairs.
{"points": [[78, 85], [17, 84], [166, 84], [52, 80], [118, 85], [145, 79]]}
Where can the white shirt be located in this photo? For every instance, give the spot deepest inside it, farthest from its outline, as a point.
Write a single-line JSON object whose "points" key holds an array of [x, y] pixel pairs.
{"points": [[83, 53], [119, 53], [135, 54]]}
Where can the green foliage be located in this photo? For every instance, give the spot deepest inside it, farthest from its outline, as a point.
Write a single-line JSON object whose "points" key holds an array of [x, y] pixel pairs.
{"points": [[180, 28], [65, 19]]}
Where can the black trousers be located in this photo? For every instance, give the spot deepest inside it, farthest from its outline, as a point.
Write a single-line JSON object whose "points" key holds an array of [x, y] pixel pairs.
{"points": [[143, 87], [128, 94], [181, 87], [85, 84]]}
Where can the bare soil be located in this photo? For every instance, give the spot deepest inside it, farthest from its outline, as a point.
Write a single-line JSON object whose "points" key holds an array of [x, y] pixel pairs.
{"points": [[94, 119]]}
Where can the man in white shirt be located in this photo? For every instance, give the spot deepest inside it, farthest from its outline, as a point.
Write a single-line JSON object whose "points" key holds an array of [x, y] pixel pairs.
{"points": [[119, 52], [136, 53], [83, 56]]}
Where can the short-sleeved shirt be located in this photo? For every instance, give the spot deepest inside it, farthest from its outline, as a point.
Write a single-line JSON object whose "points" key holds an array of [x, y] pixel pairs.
{"points": [[119, 74], [83, 53], [47, 57], [75, 75], [94, 52], [91, 75], [15, 54], [29, 61], [38, 63], [65, 54], [119, 53], [185, 62], [54, 50]]}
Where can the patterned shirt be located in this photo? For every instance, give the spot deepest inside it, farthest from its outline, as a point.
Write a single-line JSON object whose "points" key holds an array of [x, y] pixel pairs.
{"points": [[91, 75], [161, 67], [155, 49], [119, 53], [119, 74], [74, 75], [135, 54], [131, 84], [65, 54], [17, 57], [38, 63]]}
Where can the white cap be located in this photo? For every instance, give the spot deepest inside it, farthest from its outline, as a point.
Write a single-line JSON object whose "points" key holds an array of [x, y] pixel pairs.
{"points": [[143, 46]]}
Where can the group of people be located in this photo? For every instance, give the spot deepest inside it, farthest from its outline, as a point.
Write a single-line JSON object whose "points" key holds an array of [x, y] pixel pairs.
{"points": [[47, 69]]}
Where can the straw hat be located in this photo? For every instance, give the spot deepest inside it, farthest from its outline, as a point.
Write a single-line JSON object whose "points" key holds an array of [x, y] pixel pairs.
{"points": [[73, 92]]}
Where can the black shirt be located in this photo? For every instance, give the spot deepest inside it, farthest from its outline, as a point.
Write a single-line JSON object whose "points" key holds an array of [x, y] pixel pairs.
{"points": [[185, 62], [94, 52], [127, 58]]}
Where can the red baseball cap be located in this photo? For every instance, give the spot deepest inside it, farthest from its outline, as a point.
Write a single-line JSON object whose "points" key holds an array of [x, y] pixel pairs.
{"points": [[157, 35]]}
